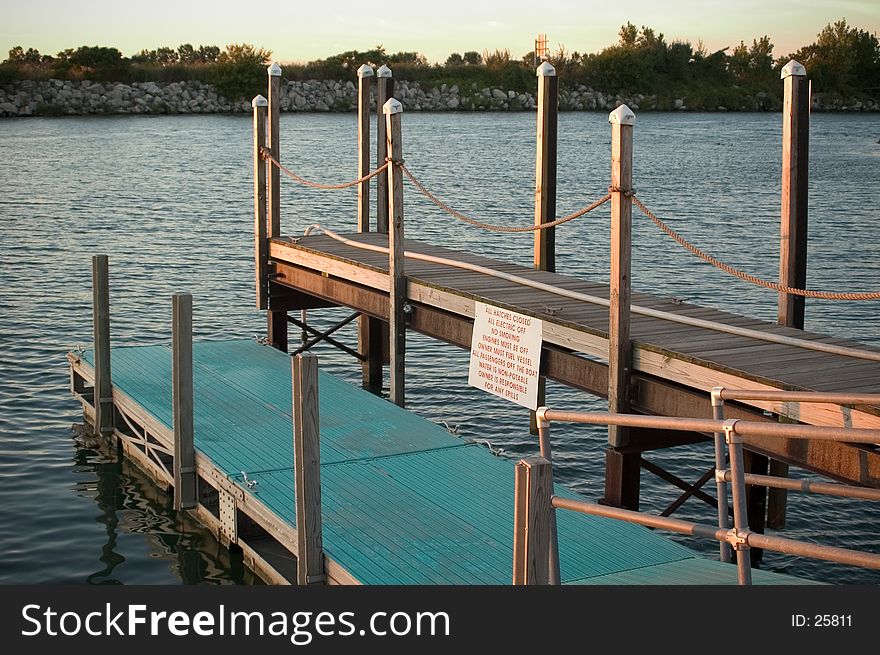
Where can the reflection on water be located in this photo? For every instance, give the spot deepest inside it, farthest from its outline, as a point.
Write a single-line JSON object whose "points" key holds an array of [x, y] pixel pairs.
{"points": [[130, 503]]}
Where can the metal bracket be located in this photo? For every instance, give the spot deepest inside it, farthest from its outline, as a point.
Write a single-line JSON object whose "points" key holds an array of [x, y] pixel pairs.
{"points": [[541, 417], [739, 539], [228, 516], [717, 400], [312, 579], [720, 475], [731, 436]]}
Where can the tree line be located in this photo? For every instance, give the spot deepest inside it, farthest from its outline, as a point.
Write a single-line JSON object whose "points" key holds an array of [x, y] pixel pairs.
{"points": [[843, 60]]}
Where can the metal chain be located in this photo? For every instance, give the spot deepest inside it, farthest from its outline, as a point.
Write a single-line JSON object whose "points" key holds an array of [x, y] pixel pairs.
{"points": [[265, 154], [497, 228], [824, 295]]}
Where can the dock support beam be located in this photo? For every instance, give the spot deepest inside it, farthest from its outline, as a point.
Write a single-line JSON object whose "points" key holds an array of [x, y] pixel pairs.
{"points": [[276, 327], [622, 469], [261, 242], [369, 328], [532, 521], [793, 232], [307, 470], [396, 276], [185, 495], [101, 343]]}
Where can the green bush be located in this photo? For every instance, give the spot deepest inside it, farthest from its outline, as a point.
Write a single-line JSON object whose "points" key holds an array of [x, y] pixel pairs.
{"points": [[240, 71]]}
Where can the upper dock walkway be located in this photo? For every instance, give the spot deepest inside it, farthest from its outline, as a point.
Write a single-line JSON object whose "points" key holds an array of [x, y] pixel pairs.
{"points": [[692, 358]]}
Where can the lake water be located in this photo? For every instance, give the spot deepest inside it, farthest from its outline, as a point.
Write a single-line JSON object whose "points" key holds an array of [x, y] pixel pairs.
{"points": [[170, 200]]}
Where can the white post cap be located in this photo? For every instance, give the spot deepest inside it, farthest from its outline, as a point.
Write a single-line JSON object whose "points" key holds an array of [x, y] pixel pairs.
{"points": [[546, 70], [274, 70], [393, 106], [623, 115], [365, 71], [383, 71], [259, 101], [792, 68]]}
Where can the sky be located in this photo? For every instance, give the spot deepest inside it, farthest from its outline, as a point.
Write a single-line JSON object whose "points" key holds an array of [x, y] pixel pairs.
{"points": [[306, 30]]}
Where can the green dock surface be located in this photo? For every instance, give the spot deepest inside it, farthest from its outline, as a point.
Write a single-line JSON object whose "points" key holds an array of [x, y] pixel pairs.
{"points": [[404, 501]]}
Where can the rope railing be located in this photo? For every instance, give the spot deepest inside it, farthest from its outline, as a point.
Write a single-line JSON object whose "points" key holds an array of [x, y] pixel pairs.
{"points": [[497, 228], [753, 279], [717, 263], [265, 154]]}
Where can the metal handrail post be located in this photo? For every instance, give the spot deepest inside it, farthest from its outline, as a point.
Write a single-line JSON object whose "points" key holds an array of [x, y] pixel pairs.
{"points": [[739, 534], [547, 453], [720, 466]]}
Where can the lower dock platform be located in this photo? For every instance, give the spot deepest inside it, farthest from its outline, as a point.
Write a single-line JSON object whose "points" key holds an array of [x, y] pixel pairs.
{"points": [[403, 501]]}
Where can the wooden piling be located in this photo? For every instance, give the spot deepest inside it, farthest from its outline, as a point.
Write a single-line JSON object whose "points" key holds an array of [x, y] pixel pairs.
{"points": [[185, 495], [545, 167], [396, 275], [756, 498], [532, 520], [274, 146], [793, 239], [365, 83], [307, 470], [795, 171], [261, 244], [369, 329], [276, 321], [545, 186], [384, 91], [622, 120], [622, 471], [103, 399]]}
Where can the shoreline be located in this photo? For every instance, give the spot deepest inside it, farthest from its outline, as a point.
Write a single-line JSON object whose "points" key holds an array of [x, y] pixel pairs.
{"points": [[83, 98]]}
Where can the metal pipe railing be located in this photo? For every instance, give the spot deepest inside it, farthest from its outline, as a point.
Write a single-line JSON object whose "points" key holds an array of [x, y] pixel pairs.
{"points": [[720, 483], [752, 539], [807, 486], [799, 396], [730, 432], [740, 508], [745, 428]]}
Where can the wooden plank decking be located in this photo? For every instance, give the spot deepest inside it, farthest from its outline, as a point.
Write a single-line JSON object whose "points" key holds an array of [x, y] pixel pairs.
{"points": [[404, 502], [692, 359]]}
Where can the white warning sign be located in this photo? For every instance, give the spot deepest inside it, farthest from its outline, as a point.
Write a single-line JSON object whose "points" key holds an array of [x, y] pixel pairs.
{"points": [[506, 354]]}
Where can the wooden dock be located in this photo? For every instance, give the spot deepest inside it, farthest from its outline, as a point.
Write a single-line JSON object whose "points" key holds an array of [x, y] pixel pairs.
{"points": [[674, 366], [404, 501], [319, 481]]}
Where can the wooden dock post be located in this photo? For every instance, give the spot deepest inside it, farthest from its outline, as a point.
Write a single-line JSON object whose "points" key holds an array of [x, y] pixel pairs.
{"points": [[795, 171], [621, 468], [384, 91], [307, 470], [396, 275], [261, 242], [545, 166], [276, 327], [793, 240], [370, 330], [103, 399], [545, 186], [365, 83], [532, 521], [185, 495]]}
